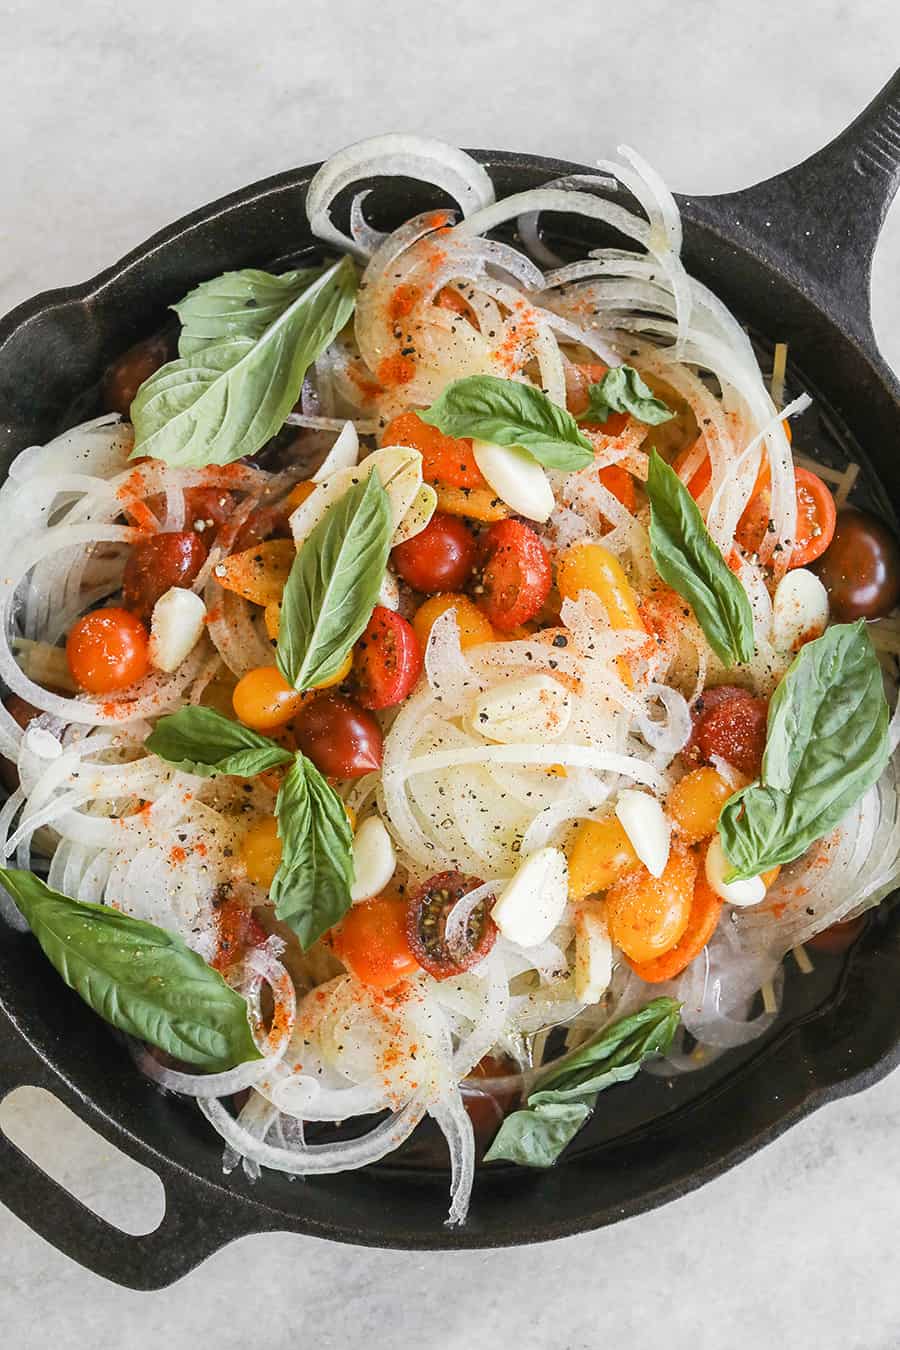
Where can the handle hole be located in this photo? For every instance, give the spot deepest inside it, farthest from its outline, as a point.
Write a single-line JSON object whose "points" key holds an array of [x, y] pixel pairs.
{"points": [[117, 1189]]}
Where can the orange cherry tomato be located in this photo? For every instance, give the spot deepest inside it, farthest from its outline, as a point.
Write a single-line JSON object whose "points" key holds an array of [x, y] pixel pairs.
{"points": [[444, 458], [108, 650], [647, 915], [702, 921], [700, 477], [473, 626], [371, 941], [620, 483], [263, 699], [579, 398], [816, 518], [695, 803]]}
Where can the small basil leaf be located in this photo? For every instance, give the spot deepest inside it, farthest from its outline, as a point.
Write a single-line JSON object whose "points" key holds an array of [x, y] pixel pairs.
{"points": [[686, 557], [560, 1105], [237, 304], [622, 390], [509, 413], [827, 743], [227, 398], [201, 740], [311, 889], [137, 977], [333, 584]]}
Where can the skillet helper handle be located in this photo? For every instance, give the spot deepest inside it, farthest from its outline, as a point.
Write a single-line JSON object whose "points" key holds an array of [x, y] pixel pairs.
{"points": [[835, 203], [199, 1219]]}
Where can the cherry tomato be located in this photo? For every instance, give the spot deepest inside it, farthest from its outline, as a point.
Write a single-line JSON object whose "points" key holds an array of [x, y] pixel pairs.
{"points": [[438, 558], [486, 1103], [107, 650], [266, 522], [126, 375], [238, 932], [837, 939], [580, 379], [386, 660], [263, 699], [709, 699], [706, 907], [341, 739], [426, 921], [861, 568], [816, 518], [646, 914], [371, 941], [260, 851], [695, 803], [473, 626], [516, 575], [158, 563], [444, 458], [207, 506], [620, 483], [735, 728]]}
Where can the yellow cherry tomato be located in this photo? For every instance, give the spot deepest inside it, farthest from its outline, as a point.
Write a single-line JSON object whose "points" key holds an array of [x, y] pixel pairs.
{"points": [[259, 573], [477, 503], [647, 915], [263, 699], [601, 852], [299, 493], [695, 803], [591, 567], [473, 626], [261, 852]]}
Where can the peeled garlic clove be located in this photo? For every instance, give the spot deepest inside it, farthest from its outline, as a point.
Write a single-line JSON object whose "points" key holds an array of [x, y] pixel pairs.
{"points": [[389, 592], [516, 477], [374, 860], [176, 626], [398, 467], [531, 905], [647, 826], [799, 609], [534, 709], [593, 954], [741, 893]]}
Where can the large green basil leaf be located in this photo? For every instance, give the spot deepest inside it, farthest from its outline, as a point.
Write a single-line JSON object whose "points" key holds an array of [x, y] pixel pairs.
{"points": [[311, 889], [565, 1097], [228, 398], [623, 391], [137, 977], [686, 557], [827, 742], [201, 740], [333, 584], [509, 413], [237, 304]]}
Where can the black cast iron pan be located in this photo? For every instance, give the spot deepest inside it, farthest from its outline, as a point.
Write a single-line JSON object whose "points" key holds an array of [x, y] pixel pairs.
{"points": [[792, 256]]}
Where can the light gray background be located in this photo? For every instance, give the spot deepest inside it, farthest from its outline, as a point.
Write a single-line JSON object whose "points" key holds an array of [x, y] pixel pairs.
{"points": [[116, 118]]}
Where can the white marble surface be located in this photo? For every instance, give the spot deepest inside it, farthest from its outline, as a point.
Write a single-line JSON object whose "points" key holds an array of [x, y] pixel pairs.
{"points": [[117, 118]]}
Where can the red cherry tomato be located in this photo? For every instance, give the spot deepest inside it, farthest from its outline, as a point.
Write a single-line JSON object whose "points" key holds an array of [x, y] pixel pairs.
{"points": [[438, 558], [126, 375], [735, 728], [158, 563], [107, 651], [709, 699], [340, 738], [386, 660], [371, 941], [516, 575], [238, 931], [426, 921], [266, 522], [861, 568], [816, 518]]}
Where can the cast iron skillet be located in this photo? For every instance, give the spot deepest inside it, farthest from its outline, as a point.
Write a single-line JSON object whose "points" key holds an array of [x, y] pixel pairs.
{"points": [[793, 257]]}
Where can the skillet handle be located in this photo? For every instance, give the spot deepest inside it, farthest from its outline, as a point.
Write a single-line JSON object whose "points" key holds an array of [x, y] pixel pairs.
{"points": [[818, 223], [199, 1218]]}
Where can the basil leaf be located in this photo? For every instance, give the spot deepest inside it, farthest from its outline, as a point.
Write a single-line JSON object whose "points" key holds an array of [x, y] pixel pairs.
{"points": [[311, 889], [557, 1109], [202, 741], [622, 390], [226, 399], [237, 304], [333, 584], [827, 743], [509, 413], [137, 977], [686, 557]]}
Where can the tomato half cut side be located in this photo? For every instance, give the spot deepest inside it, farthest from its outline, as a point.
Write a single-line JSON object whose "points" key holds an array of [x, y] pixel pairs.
{"points": [[515, 577], [816, 518], [427, 912], [387, 660], [706, 908], [445, 459]]}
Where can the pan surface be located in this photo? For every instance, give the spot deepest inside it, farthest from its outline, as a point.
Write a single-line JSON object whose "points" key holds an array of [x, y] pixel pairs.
{"points": [[792, 257]]}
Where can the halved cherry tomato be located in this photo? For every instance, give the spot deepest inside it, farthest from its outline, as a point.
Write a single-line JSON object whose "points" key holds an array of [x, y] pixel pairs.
{"points": [[371, 941], [578, 398], [706, 908], [816, 518], [620, 483], [238, 931], [341, 739], [263, 699], [158, 563], [108, 650], [444, 458], [647, 915], [426, 921], [386, 660], [473, 626], [516, 575], [438, 558], [735, 729]]}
